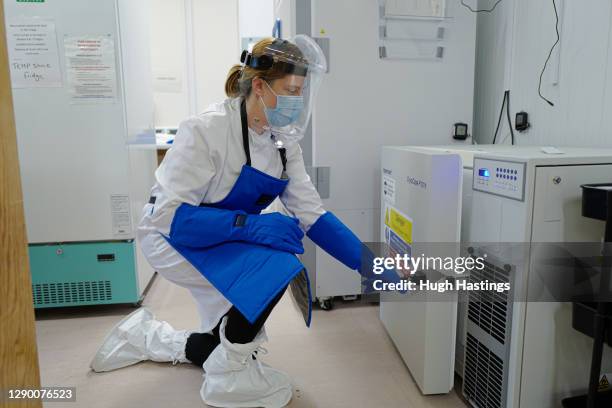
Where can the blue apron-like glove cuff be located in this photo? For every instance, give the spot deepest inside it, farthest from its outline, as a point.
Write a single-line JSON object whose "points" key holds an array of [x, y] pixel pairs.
{"points": [[335, 238], [329, 233], [201, 227], [369, 282]]}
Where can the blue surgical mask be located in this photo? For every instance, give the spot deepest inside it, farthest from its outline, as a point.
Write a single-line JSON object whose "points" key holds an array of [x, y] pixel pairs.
{"points": [[288, 109]]}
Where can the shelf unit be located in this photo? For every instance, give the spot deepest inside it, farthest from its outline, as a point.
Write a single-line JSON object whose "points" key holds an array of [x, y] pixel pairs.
{"points": [[408, 32]]}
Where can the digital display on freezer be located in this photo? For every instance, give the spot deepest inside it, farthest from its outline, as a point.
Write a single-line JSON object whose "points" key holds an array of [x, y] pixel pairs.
{"points": [[500, 177], [484, 172]]}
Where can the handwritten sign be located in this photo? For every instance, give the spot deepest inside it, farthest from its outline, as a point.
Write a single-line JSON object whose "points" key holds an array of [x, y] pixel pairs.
{"points": [[33, 55]]}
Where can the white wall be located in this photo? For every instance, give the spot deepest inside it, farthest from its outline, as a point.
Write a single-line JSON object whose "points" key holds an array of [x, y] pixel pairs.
{"points": [[285, 10], [197, 36], [256, 17], [168, 62], [513, 43], [494, 36], [216, 47]]}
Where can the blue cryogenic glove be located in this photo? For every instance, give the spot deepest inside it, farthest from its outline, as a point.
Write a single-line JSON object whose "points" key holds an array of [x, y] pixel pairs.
{"points": [[274, 230], [329, 233], [202, 227], [335, 238], [370, 277]]}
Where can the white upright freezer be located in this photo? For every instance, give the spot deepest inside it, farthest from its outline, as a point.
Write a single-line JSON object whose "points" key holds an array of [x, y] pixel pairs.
{"points": [[83, 186]]}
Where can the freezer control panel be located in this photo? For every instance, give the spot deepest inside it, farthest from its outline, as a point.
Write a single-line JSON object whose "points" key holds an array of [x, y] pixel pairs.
{"points": [[499, 177]]}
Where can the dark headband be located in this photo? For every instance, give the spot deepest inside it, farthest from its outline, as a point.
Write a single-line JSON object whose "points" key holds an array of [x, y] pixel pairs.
{"points": [[266, 61]]}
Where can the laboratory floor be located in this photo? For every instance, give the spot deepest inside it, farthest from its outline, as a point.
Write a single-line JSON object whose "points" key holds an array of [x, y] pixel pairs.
{"points": [[345, 359]]}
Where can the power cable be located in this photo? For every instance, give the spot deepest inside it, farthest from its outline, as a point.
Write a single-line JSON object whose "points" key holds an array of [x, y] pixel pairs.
{"points": [[550, 54], [467, 6], [506, 104]]}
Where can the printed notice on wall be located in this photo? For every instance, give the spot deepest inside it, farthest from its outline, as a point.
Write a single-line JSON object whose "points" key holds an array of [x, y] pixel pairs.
{"points": [[90, 62], [167, 81], [120, 213], [33, 55]]}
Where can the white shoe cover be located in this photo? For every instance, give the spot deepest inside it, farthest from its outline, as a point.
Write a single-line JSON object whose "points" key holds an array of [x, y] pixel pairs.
{"points": [[235, 379], [140, 337]]}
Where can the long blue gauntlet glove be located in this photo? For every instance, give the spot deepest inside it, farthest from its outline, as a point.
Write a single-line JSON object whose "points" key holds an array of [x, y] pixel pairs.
{"points": [[202, 227], [335, 238], [329, 233], [274, 230]]}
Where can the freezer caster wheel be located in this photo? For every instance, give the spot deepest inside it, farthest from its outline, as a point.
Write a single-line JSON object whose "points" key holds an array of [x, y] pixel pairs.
{"points": [[326, 304], [138, 304]]}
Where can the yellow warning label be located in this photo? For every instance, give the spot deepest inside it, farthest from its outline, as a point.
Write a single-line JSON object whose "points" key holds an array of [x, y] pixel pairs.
{"points": [[399, 223], [604, 384]]}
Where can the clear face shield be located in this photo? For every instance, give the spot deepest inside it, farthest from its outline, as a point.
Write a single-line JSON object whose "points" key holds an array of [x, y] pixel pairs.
{"points": [[303, 62]]}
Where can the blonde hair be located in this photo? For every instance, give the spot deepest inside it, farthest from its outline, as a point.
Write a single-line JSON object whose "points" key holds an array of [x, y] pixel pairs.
{"points": [[240, 78]]}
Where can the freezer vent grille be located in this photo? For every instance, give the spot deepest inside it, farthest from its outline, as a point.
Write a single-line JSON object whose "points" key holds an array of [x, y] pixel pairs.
{"points": [[71, 292], [483, 376], [489, 309]]}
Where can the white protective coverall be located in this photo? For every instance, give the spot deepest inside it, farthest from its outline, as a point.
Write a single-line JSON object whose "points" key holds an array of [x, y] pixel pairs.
{"points": [[202, 167]]}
